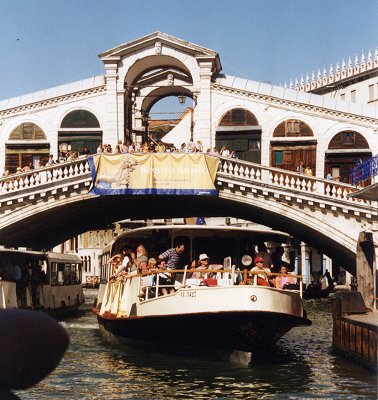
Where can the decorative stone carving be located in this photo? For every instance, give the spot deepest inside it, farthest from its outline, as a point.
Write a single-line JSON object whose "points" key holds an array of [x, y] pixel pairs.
{"points": [[170, 79], [158, 48]]}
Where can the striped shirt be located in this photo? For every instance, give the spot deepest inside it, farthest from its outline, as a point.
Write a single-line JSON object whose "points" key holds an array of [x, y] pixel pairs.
{"points": [[172, 257]]}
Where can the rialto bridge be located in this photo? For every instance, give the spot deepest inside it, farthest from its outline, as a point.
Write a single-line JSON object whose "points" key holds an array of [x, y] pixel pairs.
{"points": [[42, 208], [328, 122]]}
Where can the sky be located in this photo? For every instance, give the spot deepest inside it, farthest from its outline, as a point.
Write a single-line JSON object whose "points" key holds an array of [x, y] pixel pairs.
{"points": [[45, 43]]}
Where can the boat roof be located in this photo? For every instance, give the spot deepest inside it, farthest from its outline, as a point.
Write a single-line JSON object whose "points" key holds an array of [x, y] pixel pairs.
{"points": [[187, 227], [20, 251], [57, 257], [183, 228]]}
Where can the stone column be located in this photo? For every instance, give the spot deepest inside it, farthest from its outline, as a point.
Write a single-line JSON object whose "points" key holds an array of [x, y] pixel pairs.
{"points": [[121, 114], [202, 111], [305, 263], [110, 134]]}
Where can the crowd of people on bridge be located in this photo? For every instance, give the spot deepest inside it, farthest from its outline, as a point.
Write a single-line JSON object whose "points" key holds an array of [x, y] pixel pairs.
{"points": [[160, 147], [121, 148]]}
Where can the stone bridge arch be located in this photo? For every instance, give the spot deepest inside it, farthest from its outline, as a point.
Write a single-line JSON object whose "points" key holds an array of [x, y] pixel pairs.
{"points": [[43, 210]]}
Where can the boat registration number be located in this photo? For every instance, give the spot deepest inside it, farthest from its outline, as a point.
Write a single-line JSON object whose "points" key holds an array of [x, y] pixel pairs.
{"points": [[191, 293]]}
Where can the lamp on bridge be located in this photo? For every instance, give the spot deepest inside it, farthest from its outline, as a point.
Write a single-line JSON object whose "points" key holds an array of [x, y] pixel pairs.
{"points": [[181, 99]]}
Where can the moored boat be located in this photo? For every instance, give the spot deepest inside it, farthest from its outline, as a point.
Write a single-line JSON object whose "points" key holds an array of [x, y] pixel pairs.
{"points": [[44, 281], [214, 311]]}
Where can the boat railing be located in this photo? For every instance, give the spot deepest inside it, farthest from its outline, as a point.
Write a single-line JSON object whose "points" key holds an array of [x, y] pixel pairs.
{"points": [[208, 277]]}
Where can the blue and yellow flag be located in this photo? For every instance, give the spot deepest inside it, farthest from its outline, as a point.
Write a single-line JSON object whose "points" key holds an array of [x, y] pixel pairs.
{"points": [[154, 173]]}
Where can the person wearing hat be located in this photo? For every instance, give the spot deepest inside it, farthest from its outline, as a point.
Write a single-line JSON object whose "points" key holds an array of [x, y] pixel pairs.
{"points": [[264, 278], [204, 264]]}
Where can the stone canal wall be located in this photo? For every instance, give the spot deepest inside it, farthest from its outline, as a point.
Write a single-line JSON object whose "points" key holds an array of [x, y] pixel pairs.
{"points": [[355, 329]]}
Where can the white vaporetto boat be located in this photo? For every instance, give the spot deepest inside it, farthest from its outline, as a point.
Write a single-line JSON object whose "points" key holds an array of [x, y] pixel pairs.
{"points": [[219, 312], [43, 281]]}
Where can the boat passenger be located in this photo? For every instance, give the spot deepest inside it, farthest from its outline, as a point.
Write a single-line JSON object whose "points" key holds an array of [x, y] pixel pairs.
{"points": [[165, 279], [126, 262], [173, 256], [115, 263], [262, 251], [263, 279], [146, 281], [204, 264], [282, 282], [276, 259], [141, 251], [133, 262]]}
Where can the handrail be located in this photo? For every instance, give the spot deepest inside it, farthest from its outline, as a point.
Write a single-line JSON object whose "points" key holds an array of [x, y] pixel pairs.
{"points": [[288, 180], [202, 271], [239, 170], [52, 173]]}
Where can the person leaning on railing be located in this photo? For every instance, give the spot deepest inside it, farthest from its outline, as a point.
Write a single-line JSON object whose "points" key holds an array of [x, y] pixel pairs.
{"points": [[166, 283], [283, 281], [264, 278]]}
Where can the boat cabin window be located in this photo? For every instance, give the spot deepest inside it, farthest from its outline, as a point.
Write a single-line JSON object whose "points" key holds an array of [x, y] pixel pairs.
{"points": [[54, 274], [246, 246], [67, 273], [104, 258], [216, 248]]}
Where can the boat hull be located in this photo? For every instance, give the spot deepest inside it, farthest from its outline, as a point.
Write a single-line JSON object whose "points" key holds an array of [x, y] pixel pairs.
{"points": [[244, 331]]}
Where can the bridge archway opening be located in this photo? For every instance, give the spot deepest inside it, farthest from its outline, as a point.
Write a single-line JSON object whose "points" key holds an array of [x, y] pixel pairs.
{"points": [[293, 141], [147, 82], [79, 131], [61, 220], [170, 119], [345, 150], [26, 146], [240, 131]]}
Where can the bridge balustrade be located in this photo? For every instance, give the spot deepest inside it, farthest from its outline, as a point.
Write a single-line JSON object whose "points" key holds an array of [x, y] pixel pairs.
{"points": [[232, 168], [46, 175], [290, 180]]}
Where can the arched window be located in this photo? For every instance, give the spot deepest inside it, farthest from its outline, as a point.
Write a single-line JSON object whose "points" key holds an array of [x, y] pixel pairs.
{"points": [[79, 132], [240, 132], [348, 140], [238, 117], [345, 149], [27, 146], [287, 151], [80, 119], [27, 131], [292, 128], [89, 264]]}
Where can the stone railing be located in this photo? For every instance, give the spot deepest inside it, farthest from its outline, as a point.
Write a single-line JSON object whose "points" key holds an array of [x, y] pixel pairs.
{"points": [[35, 178], [234, 169], [287, 180]]}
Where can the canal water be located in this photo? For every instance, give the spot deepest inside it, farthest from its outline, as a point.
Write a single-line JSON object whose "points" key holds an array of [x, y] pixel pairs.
{"points": [[302, 366]]}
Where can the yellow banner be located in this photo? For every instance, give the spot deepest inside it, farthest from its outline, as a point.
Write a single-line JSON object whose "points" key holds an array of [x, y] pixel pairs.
{"points": [[154, 173]]}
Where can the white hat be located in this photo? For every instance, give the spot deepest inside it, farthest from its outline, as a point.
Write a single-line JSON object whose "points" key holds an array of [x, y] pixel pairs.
{"points": [[203, 256]]}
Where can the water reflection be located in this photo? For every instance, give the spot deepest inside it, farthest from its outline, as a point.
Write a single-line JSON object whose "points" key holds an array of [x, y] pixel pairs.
{"points": [[302, 365]]}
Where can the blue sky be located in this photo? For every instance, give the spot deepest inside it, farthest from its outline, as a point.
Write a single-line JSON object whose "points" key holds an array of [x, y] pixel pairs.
{"points": [[45, 43]]}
